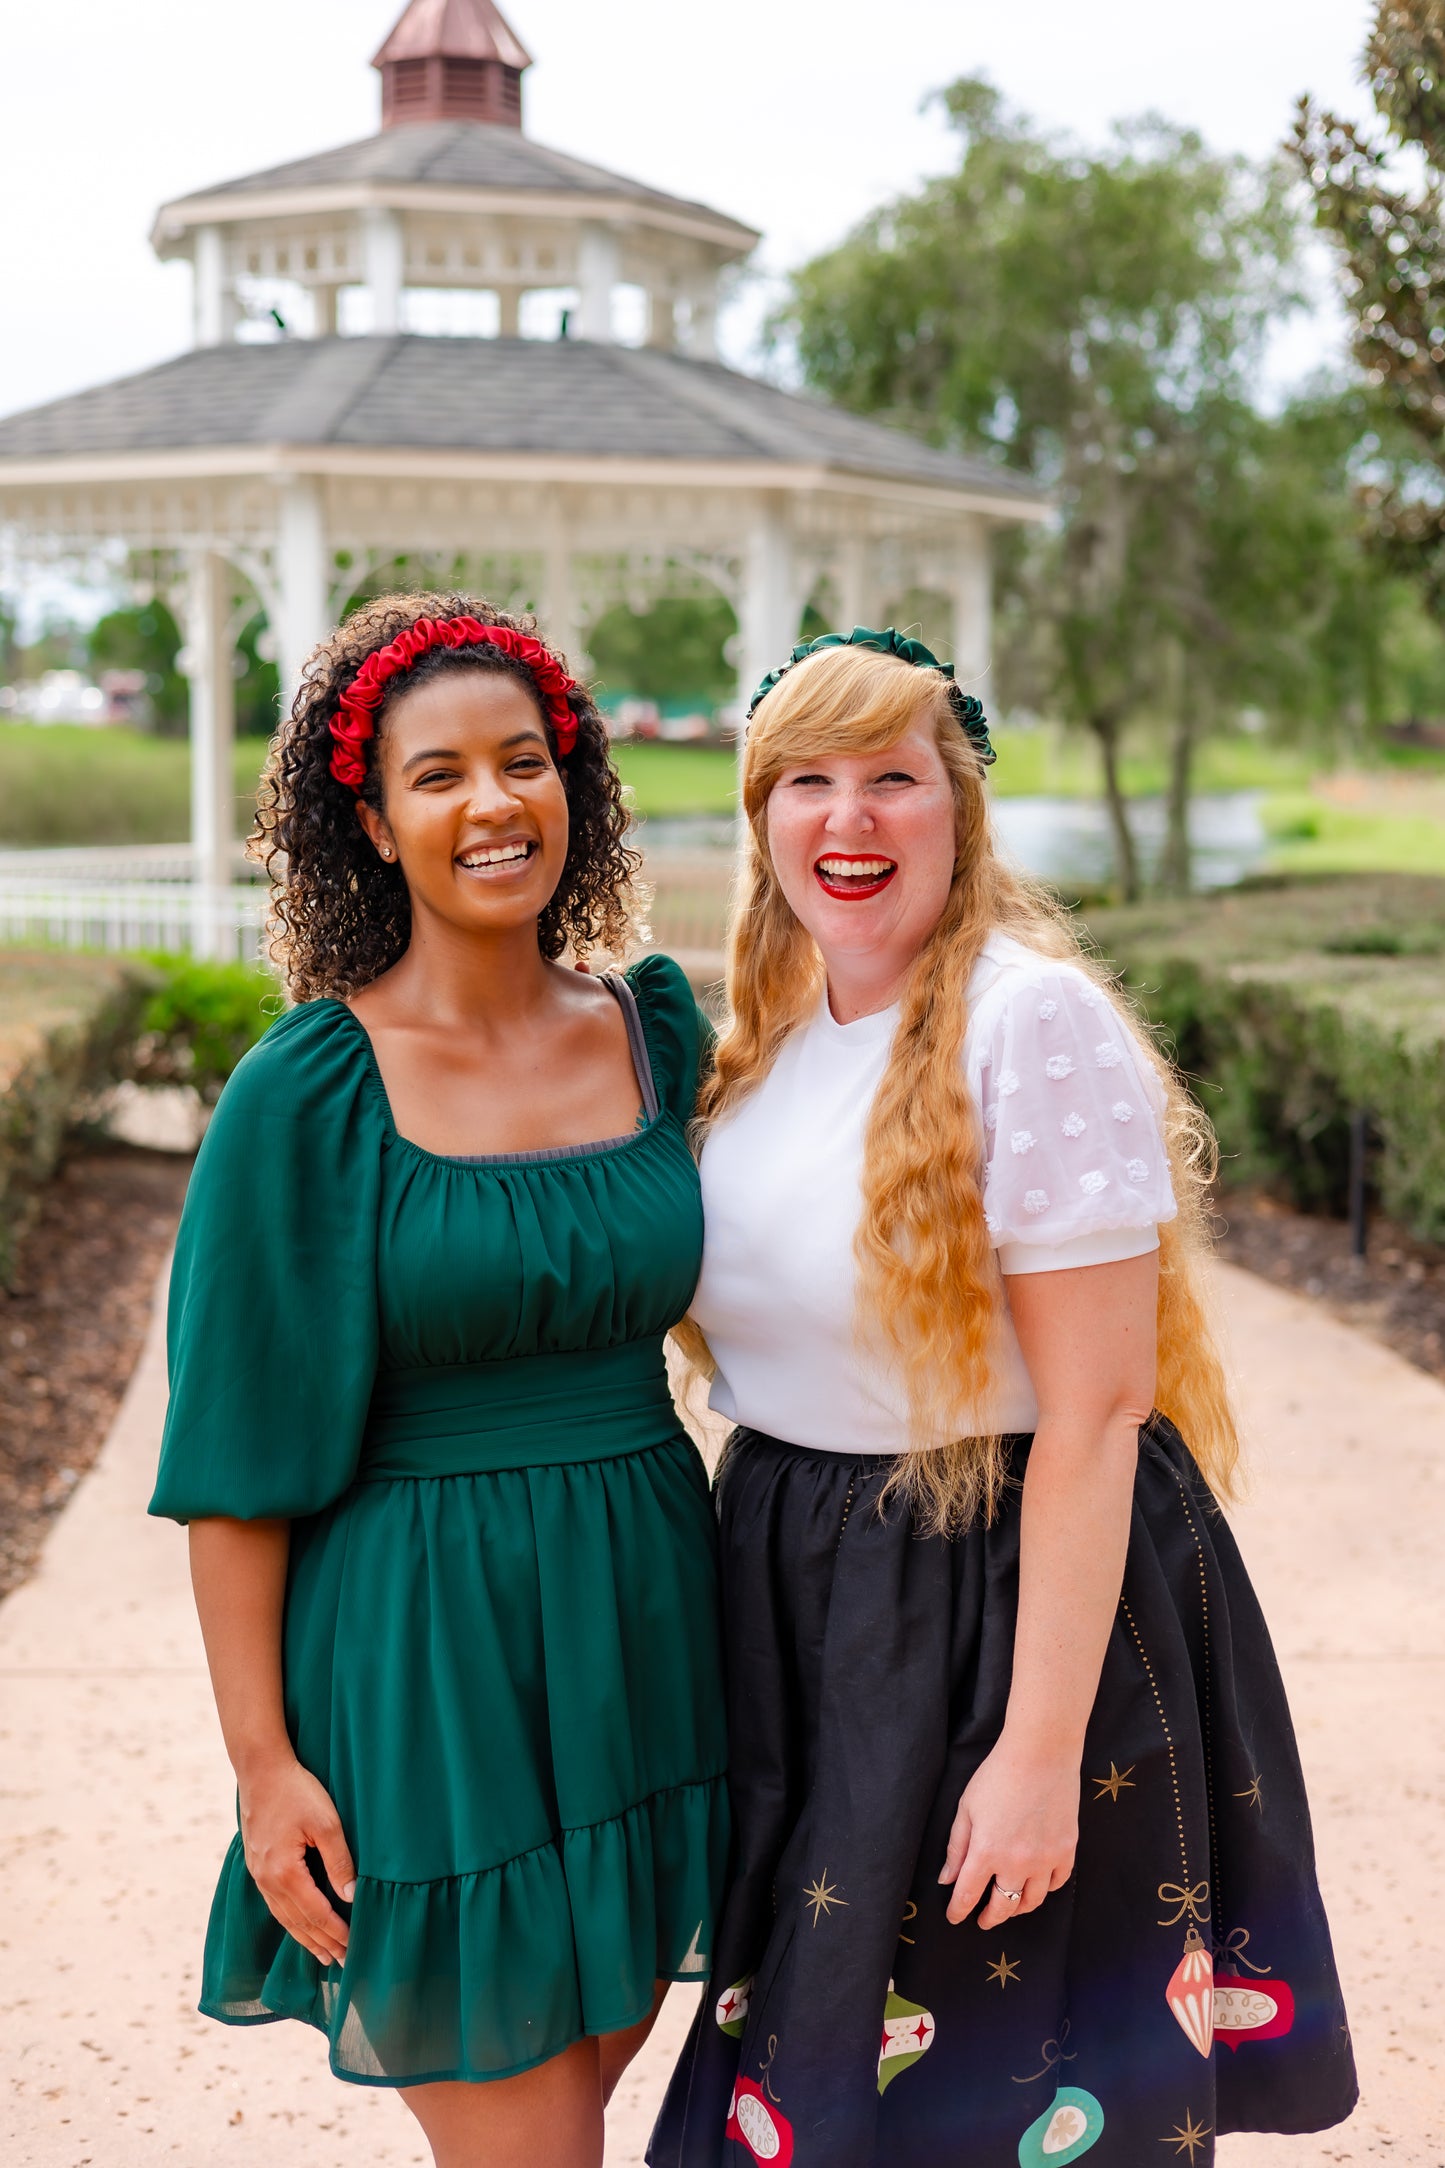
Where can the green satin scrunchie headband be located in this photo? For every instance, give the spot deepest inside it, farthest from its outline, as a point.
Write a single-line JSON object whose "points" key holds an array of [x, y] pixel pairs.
{"points": [[968, 710]]}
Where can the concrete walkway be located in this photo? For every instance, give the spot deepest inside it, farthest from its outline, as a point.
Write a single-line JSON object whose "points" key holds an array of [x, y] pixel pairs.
{"points": [[115, 1800]]}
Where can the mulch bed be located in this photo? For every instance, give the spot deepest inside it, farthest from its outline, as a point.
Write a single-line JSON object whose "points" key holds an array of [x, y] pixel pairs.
{"points": [[1395, 1292], [72, 1327]]}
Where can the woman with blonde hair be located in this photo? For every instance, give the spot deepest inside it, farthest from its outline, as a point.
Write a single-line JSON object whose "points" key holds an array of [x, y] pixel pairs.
{"points": [[993, 1655]]}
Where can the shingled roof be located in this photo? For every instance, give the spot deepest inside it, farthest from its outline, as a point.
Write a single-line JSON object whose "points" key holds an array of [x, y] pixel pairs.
{"points": [[450, 154], [410, 392]]}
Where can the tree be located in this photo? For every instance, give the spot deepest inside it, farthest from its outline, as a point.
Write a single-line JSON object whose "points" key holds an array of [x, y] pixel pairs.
{"points": [[144, 637], [674, 651], [1388, 229], [1090, 319]]}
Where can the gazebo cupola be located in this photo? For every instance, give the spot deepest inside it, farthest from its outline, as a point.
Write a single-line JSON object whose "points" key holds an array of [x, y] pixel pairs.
{"points": [[567, 474], [452, 60], [450, 195]]}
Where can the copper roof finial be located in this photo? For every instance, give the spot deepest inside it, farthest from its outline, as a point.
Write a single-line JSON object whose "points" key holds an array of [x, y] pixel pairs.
{"points": [[452, 60]]}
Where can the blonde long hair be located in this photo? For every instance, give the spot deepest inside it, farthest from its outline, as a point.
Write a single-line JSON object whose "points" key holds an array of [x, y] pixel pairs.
{"points": [[929, 1288]]}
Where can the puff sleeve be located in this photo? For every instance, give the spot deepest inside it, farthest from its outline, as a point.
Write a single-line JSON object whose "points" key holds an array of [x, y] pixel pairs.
{"points": [[1075, 1167], [679, 1035], [272, 1330]]}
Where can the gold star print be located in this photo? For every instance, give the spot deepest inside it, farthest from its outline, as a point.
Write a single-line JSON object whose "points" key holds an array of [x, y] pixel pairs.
{"points": [[822, 1895], [1252, 1792], [1190, 2137], [1115, 1782], [1003, 1969]]}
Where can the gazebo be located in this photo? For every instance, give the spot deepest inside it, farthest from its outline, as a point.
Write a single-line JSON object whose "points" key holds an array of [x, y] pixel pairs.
{"points": [[294, 451]]}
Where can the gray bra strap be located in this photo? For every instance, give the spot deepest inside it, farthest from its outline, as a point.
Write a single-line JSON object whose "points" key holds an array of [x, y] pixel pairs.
{"points": [[636, 1039]]}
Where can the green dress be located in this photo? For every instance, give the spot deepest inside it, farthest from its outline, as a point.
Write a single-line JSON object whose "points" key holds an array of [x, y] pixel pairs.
{"points": [[501, 1644]]}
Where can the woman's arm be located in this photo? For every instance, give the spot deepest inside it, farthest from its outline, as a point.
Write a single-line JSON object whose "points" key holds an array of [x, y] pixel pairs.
{"points": [[238, 1572], [1088, 1338]]}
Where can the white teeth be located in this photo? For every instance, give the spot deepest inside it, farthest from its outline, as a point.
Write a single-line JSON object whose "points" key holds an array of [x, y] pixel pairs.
{"points": [[498, 857], [854, 868]]}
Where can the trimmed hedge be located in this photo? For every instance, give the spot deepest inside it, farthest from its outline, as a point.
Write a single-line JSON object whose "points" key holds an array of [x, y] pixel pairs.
{"points": [[1290, 1005], [67, 1025]]}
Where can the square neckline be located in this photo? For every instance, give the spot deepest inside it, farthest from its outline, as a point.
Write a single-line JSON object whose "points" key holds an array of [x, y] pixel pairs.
{"points": [[558, 1155]]}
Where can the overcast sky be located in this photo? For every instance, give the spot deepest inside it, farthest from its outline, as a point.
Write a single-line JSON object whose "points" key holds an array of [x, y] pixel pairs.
{"points": [[794, 114]]}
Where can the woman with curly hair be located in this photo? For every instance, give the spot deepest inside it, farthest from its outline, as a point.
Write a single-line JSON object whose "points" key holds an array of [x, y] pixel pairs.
{"points": [[993, 1655], [452, 1554]]}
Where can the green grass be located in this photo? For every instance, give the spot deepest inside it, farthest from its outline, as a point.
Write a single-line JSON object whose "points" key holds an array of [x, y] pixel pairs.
{"points": [[64, 785], [667, 781], [1064, 764], [678, 779], [1309, 835]]}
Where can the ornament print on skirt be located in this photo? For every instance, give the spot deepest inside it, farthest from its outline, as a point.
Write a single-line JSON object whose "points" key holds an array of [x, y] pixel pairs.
{"points": [[1190, 1993], [1251, 2010], [1064, 2132], [756, 2123], [731, 2008], [908, 2031]]}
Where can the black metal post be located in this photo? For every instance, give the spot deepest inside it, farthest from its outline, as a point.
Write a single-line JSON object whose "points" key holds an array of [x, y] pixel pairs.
{"points": [[1359, 1192]]}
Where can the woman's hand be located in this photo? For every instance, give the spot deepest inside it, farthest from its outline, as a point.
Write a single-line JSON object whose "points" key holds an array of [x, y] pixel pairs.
{"points": [[285, 1813], [1017, 1827]]}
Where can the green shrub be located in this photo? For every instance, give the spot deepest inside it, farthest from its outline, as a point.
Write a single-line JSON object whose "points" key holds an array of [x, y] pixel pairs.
{"points": [[1290, 1006], [67, 1025], [200, 1019]]}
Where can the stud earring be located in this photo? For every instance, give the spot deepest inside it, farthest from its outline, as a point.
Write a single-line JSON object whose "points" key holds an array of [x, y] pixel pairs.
{"points": [[385, 852]]}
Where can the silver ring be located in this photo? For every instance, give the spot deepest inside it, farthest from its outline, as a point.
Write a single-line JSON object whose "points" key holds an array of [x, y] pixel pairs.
{"points": [[1013, 1896]]}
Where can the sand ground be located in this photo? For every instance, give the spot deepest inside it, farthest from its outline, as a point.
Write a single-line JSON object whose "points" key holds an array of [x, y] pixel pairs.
{"points": [[116, 1803]]}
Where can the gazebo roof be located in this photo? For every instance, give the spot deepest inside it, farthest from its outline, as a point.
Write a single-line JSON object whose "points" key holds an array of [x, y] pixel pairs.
{"points": [[410, 392], [441, 154]]}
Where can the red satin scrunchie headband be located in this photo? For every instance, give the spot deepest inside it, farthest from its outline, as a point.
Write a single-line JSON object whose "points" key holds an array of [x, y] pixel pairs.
{"points": [[353, 724]]}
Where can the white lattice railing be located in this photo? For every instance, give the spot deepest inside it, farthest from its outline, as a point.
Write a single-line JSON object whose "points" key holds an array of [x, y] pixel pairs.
{"points": [[223, 922], [142, 898]]}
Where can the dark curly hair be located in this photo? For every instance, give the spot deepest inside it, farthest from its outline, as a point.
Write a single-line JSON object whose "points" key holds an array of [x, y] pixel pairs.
{"points": [[340, 915]]}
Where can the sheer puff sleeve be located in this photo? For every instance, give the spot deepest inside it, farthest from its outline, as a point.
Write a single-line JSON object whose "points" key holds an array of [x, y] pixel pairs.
{"points": [[1075, 1167], [272, 1330]]}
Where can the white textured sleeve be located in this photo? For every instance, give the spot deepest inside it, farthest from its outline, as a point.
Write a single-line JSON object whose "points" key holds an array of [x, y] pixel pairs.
{"points": [[1075, 1167]]}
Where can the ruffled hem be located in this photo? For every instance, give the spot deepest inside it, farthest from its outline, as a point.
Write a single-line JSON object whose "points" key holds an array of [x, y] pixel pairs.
{"points": [[485, 1975]]}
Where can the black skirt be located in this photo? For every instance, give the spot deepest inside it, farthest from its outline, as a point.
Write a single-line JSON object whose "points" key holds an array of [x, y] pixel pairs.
{"points": [[1179, 1986]]}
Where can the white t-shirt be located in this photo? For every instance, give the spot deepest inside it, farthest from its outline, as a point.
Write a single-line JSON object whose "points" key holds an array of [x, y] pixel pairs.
{"points": [[1076, 1174]]}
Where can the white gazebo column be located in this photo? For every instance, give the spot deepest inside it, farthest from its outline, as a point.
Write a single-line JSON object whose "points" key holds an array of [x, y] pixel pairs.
{"points": [[213, 299], [597, 271], [701, 341], [300, 579], [971, 588], [662, 322], [509, 312], [857, 602], [385, 250], [557, 605], [771, 608], [213, 731]]}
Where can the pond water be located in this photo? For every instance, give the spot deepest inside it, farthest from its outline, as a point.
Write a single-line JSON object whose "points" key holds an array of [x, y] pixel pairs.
{"points": [[1066, 840]]}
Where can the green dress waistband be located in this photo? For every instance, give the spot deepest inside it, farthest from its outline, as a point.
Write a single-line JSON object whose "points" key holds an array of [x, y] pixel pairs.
{"points": [[530, 1411]]}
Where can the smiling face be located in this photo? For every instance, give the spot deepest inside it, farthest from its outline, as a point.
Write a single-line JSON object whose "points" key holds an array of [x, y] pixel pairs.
{"points": [[864, 845], [474, 808]]}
